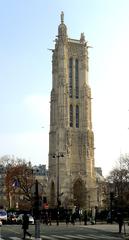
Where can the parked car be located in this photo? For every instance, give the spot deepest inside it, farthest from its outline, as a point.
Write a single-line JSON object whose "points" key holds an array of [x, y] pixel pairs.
{"points": [[11, 218], [3, 216], [19, 219]]}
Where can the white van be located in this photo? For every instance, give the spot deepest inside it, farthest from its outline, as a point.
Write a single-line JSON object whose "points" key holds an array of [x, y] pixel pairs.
{"points": [[3, 216]]}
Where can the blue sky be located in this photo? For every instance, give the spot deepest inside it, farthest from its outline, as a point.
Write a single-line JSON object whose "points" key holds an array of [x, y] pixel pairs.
{"points": [[28, 28]]}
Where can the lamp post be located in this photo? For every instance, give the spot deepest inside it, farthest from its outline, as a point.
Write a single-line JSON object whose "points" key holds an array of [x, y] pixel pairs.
{"points": [[111, 201], [57, 156], [36, 211]]}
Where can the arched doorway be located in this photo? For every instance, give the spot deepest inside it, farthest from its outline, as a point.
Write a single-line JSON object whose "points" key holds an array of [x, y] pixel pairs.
{"points": [[52, 195], [79, 193]]}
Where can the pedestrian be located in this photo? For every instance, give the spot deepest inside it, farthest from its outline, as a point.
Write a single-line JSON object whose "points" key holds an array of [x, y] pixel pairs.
{"points": [[120, 220], [25, 226], [85, 217], [93, 218], [50, 219], [57, 217], [46, 218], [67, 219], [73, 218], [80, 216]]}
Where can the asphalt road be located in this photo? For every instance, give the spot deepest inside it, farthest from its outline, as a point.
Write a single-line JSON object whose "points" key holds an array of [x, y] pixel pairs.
{"points": [[70, 232]]}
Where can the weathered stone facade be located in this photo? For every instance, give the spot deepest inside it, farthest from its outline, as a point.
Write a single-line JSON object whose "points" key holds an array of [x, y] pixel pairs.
{"points": [[71, 139]]}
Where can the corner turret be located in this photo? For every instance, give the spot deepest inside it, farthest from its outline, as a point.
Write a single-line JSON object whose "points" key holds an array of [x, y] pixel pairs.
{"points": [[62, 29]]}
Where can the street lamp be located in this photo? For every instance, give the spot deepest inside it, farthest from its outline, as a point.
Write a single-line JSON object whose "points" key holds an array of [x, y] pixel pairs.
{"points": [[57, 156], [111, 201], [37, 211]]}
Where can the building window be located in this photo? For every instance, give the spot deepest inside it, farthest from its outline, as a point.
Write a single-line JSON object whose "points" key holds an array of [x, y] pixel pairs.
{"points": [[76, 78], [77, 116], [71, 115], [70, 77]]}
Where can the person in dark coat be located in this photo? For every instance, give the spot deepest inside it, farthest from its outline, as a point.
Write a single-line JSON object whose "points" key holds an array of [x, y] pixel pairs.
{"points": [[67, 219], [85, 218], [120, 221], [73, 218], [25, 225]]}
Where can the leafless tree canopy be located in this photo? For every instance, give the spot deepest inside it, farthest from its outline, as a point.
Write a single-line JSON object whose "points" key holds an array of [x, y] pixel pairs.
{"points": [[118, 182]]}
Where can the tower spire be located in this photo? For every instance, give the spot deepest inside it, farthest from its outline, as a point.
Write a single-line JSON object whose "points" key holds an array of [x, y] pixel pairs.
{"points": [[62, 17]]}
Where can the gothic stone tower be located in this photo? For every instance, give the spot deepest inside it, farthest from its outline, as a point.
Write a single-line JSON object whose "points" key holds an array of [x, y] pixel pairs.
{"points": [[71, 139]]}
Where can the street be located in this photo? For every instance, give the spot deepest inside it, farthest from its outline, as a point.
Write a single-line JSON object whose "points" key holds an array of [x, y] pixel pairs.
{"points": [[70, 232]]}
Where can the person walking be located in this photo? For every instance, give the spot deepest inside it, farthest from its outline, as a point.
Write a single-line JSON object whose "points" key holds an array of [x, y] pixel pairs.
{"points": [[67, 218], [25, 226], [85, 217], [73, 218], [120, 220]]}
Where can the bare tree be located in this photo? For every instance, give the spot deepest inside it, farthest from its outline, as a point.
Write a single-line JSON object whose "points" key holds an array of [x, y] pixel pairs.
{"points": [[118, 182], [19, 179], [7, 160]]}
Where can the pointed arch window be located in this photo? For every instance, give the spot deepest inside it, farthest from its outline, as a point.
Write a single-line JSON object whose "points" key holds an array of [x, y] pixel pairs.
{"points": [[70, 77], [77, 78], [77, 116], [71, 115]]}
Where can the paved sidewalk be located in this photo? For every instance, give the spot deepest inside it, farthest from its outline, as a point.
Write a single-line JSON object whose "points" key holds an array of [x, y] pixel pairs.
{"points": [[114, 228], [111, 228], [102, 226]]}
